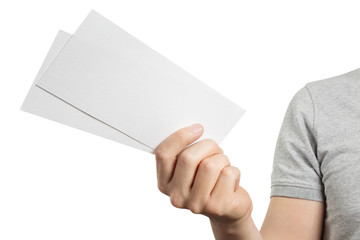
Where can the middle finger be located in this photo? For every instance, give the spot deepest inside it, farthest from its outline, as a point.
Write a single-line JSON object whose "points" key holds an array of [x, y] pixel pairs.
{"points": [[188, 161]]}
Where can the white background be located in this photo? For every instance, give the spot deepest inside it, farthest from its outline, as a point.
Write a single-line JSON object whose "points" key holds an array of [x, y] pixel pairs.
{"points": [[57, 182]]}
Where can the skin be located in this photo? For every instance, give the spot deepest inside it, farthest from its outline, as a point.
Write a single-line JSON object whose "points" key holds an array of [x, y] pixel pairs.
{"points": [[200, 178]]}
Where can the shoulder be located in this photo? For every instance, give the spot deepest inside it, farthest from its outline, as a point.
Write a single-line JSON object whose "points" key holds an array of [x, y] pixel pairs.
{"points": [[334, 87]]}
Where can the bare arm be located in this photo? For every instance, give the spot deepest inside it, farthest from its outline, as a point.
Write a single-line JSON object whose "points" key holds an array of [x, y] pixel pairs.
{"points": [[287, 218], [291, 218], [200, 178]]}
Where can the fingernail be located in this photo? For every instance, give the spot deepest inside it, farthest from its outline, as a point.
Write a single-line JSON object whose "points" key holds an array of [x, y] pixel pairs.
{"points": [[196, 128]]}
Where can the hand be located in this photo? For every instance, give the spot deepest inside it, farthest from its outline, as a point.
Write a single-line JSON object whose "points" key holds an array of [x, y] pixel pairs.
{"points": [[200, 178]]}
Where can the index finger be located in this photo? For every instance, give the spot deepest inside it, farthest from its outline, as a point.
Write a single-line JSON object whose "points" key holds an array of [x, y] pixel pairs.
{"points": [[167, 151]]}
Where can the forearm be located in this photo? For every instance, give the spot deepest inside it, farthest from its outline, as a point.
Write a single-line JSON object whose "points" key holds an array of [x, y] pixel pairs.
{"points": [[243, 229]]}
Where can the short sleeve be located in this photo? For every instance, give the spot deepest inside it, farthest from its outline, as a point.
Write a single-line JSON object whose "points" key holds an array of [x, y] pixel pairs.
{"points": [[296, 170]]}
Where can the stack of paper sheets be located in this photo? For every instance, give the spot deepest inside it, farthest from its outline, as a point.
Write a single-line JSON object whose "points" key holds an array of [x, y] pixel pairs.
{"points": [[104, 81]]}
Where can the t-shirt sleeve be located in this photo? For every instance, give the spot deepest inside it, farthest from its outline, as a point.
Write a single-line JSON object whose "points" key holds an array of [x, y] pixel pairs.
{"points": [[296, 170]]}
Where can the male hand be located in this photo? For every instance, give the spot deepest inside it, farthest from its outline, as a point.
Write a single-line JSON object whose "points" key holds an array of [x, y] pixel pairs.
{"points": [[200, 177]]}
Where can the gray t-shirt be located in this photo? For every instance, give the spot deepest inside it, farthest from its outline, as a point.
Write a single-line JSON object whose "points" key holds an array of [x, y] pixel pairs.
{"points": [[317, 154]]}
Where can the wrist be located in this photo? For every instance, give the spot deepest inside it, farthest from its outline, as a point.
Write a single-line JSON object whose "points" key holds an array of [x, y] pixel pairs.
{"points": [[230, 226], [243, 228]]}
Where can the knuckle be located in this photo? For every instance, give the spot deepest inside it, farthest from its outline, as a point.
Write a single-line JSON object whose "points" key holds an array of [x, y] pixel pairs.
{"points": [[186, 158], [224, 160], [162, 188], [225, 157], [207, 165], [237, 172], [228, 172], [195, 207], [232, 172], [210, 141], [212, 144], [177, 200], [161, 154]]}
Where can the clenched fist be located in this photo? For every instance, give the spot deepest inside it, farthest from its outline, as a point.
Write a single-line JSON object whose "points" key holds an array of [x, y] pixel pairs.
{"points": [[200, 177]]}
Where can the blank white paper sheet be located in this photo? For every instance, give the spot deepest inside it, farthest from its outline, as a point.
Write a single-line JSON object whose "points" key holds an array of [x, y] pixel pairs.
{"points": [[44, 104], [107, 82]]}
